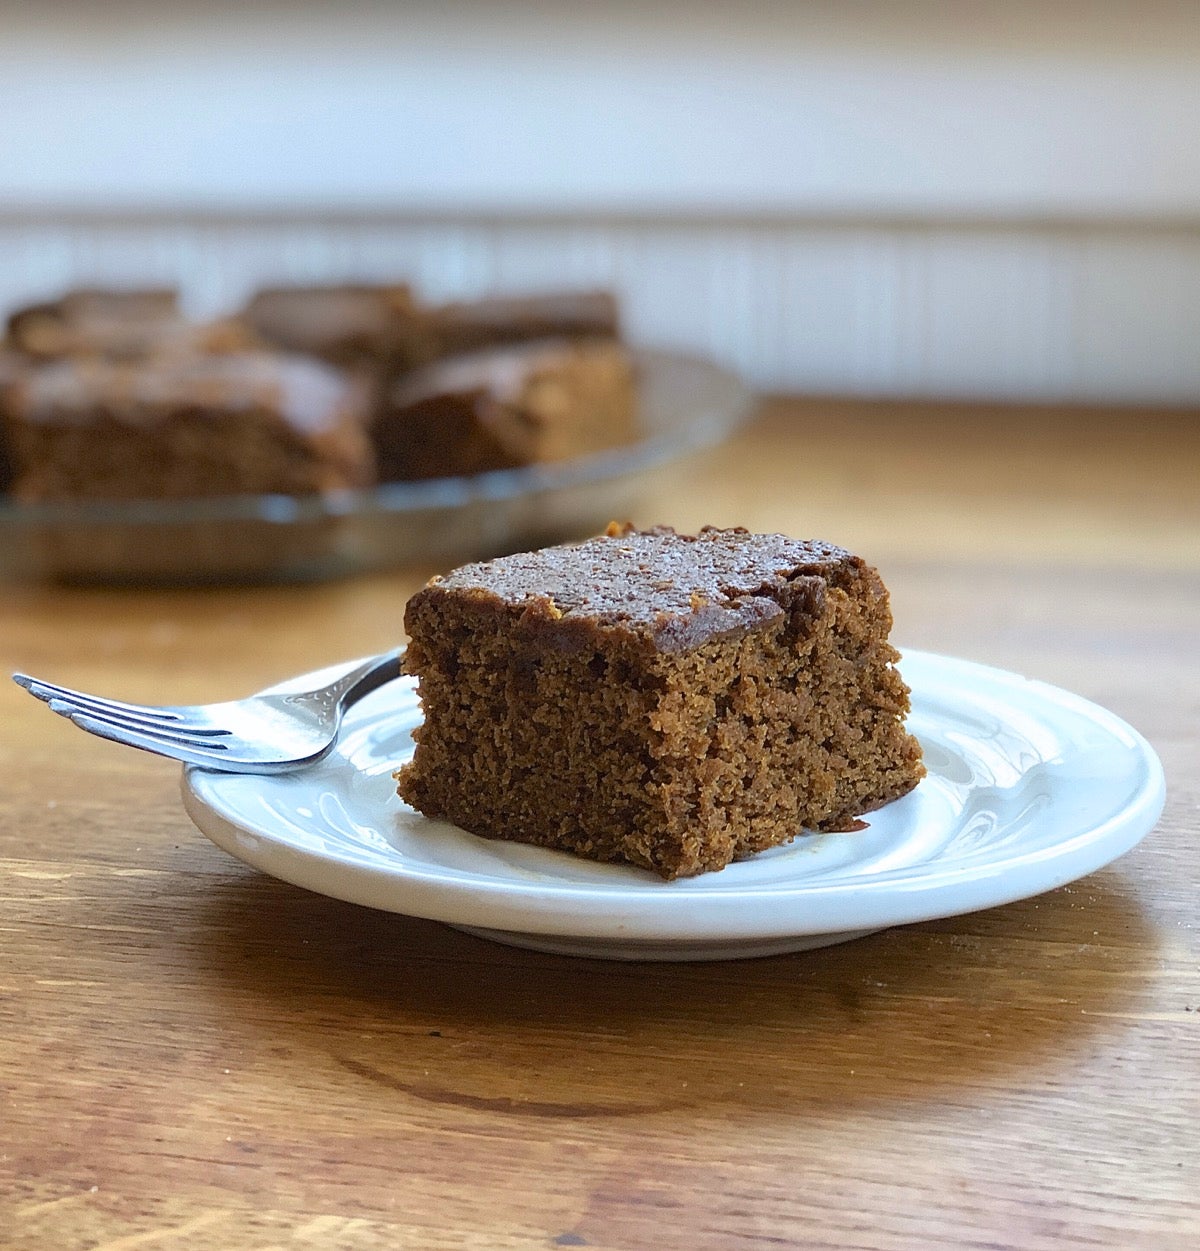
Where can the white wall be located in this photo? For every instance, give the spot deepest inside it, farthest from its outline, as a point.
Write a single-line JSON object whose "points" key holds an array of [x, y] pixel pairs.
{"points": [[1080, 107], [884, 196], [1052, 313]]}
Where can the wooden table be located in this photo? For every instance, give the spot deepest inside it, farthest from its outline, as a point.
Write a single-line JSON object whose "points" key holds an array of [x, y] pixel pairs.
{"points": [[196, 1056]]}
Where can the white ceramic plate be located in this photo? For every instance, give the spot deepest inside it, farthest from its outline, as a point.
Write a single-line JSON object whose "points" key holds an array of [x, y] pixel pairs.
{"points": [[1029, 787]]}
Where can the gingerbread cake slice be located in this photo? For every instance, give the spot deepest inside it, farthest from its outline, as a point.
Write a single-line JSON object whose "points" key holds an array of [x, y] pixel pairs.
{"points": [[119, 324], [376, 325], [493, 321], [170, 427], [499, 409], [675, 702], [10, 367]]}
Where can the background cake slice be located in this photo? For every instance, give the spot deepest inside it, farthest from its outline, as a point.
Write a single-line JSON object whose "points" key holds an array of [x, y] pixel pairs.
{"points": [[10, 369], [493, 321], [118, 324], [498, 409], [178, 426], [364, 324], [383, 326], [672, 701]]}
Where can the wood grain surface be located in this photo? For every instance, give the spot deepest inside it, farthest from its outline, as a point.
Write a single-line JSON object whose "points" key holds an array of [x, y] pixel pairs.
{"points": [[196, 1056]]}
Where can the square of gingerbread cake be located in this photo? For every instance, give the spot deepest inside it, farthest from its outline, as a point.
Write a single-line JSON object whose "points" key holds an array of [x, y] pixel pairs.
{"points": [[117, 324], [376, 325], [178, 425], [671, 701], [532, 403], [493, 321]]}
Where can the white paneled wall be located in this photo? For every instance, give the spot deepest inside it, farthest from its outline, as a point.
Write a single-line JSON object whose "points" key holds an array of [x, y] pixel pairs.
{"points": [[917, 107], [1084, 312], [893, 197]]}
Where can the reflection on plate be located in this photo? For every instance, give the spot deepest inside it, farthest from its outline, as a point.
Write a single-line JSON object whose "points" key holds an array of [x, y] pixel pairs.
{"points": [[1029, 787], [684, 404]]}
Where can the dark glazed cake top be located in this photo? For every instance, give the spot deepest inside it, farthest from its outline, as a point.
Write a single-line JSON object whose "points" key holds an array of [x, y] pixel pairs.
{"points": [[305, 393], [340, 322], [673, 590], [116, 324], [500, 372], [497, 319]]}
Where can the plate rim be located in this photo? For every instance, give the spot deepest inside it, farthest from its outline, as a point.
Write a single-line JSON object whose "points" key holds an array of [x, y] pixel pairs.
{"points": [[650, 909]]}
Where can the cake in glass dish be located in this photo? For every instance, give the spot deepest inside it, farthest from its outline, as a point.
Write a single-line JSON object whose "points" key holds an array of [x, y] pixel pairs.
{"points": [[492, 321], [499, 409], [384, 327], [350, 325], [97, 322], [190, 425]]}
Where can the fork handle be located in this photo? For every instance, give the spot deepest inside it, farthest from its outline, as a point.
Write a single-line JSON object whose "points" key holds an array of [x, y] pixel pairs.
{"points": [[367, 677]]}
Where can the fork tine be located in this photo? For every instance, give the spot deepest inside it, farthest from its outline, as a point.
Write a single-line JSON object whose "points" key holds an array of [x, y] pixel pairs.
{"points": [[115, 712], [182, 735], [206, 754], [175, 749], [46, 691]]}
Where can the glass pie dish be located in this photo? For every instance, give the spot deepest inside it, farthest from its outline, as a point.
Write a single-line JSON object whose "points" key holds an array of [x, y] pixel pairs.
{"points": [[685, 404]]}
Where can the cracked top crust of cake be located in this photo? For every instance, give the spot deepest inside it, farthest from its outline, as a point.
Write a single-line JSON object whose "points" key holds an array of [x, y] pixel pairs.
{"points": [[669, 590]]}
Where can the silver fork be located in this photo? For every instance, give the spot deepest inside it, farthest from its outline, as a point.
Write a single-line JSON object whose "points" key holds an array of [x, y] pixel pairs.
{"points": [[275, 731]]}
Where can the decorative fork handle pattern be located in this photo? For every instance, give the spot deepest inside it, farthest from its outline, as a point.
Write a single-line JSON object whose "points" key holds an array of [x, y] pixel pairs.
{"points": [[367, 677]]}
